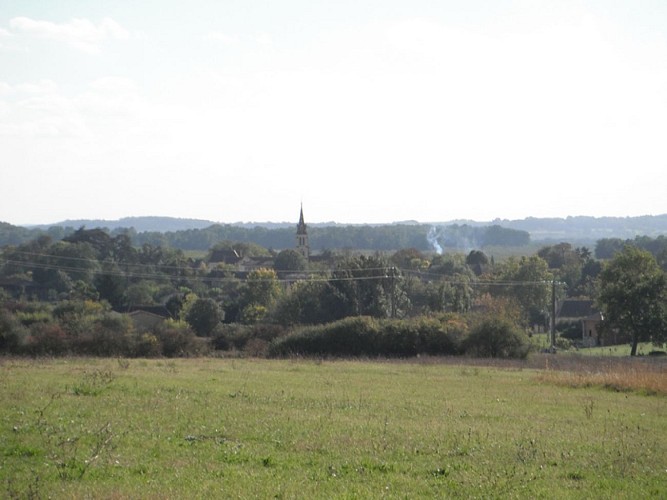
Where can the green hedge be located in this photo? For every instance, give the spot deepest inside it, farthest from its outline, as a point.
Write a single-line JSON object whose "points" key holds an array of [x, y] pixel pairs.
{"points": [[364, 336], [104, 335], [496, 338]]}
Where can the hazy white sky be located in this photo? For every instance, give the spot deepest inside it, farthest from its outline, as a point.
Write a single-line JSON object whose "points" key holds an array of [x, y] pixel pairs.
{"points": [[365, 110]]}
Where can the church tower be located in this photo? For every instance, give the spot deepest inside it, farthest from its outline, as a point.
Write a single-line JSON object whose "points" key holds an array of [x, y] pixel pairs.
{"points": [[302, 237]]}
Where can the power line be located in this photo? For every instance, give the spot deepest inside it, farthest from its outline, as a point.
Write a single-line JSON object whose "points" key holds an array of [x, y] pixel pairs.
{"points": [[313, 276]]}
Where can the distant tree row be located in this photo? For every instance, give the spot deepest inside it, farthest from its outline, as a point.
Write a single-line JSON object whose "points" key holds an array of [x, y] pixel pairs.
{"points": [[362, 237], [606, 248]]}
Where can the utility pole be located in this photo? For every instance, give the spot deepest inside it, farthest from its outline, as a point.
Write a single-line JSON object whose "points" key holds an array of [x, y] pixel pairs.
{"points": [[393, 292], [552, 325]]}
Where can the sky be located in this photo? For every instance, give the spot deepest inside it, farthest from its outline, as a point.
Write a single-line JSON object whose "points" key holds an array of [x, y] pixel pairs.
{"points": [[365, 111]]}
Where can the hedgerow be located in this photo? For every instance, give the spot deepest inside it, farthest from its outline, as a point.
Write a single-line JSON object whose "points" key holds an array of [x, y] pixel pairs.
{"points": [[363, 336], [74, 330], [496, 338]]}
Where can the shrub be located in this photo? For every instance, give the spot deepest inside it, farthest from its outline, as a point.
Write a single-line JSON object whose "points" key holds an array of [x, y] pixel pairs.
{"points": [[146, 345], [441, 337], [77, 317], [496, 338], [564, 344], [232, 336], [108, 335], [12, 333], [354, 336], [47, 339], [203, 316], [397, 339], [176, 339], [570, 330], [256, 347], [364, 336], [253, 313], [267, 331], [243, 337], [219, 338], [30, 318]]}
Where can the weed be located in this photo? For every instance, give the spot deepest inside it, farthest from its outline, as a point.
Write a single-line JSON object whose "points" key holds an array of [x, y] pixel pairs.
{"points": [[440, 472], [170, 367], [588, 409], [32, 489], [527, 450], [93, 382], [74, 455]]}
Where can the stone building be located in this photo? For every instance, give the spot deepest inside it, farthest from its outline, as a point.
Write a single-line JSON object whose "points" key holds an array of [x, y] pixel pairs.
{"points": [[302, 245]]}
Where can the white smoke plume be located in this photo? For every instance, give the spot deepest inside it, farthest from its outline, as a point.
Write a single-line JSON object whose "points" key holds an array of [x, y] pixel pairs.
{"points": [[432, 238]]}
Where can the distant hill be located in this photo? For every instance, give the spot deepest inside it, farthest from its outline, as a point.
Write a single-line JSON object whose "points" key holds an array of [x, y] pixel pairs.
{"points": [[580, 230], [171, 224], [588, 229], [576, 229], [140, 224]]}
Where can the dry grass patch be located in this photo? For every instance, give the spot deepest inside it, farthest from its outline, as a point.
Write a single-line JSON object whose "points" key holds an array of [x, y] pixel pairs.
{"points": [[644, 376]]}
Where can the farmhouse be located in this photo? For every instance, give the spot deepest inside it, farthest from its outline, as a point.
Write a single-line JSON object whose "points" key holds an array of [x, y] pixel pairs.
{"points": [[146, 318], [22, 288], [584, 313]]}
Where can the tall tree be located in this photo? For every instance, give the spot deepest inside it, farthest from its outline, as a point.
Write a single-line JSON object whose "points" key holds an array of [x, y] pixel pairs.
{"points": [[633, 296], [477, 261], [302, 304], [606, 248], [203, 316], [366, 286], [262, 287], [527, 281], [289, 261], [262, 290]]}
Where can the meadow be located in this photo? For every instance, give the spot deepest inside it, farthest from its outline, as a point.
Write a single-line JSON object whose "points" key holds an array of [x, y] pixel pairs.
{"points": [[247, 428]]}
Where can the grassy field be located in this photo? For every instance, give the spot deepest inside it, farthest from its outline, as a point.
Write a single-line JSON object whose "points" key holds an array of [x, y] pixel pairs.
{"points": [[643, 348], [216, 428], [541, 341]]}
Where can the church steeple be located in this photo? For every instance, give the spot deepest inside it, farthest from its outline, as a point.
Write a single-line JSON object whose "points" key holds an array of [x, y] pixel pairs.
{"points": [[302, 237]]}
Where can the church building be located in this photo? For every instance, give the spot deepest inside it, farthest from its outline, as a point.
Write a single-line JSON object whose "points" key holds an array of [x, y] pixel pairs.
{"points": [[302, 245]]}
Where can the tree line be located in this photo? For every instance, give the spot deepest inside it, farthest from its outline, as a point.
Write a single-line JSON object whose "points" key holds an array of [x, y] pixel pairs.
{"points": [[71, 288], [367, 237]]}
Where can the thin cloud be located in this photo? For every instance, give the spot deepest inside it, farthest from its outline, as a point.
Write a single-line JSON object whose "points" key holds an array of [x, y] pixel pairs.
{"points": [[222, 38], [6, 44], [110, 105], [39, 87], [80, 34], [264, 40], [233, 40], [114, 84]]}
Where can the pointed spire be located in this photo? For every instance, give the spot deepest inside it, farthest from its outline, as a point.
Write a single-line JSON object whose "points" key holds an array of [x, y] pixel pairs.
{"points": [[301, 227], [302, 236]]}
